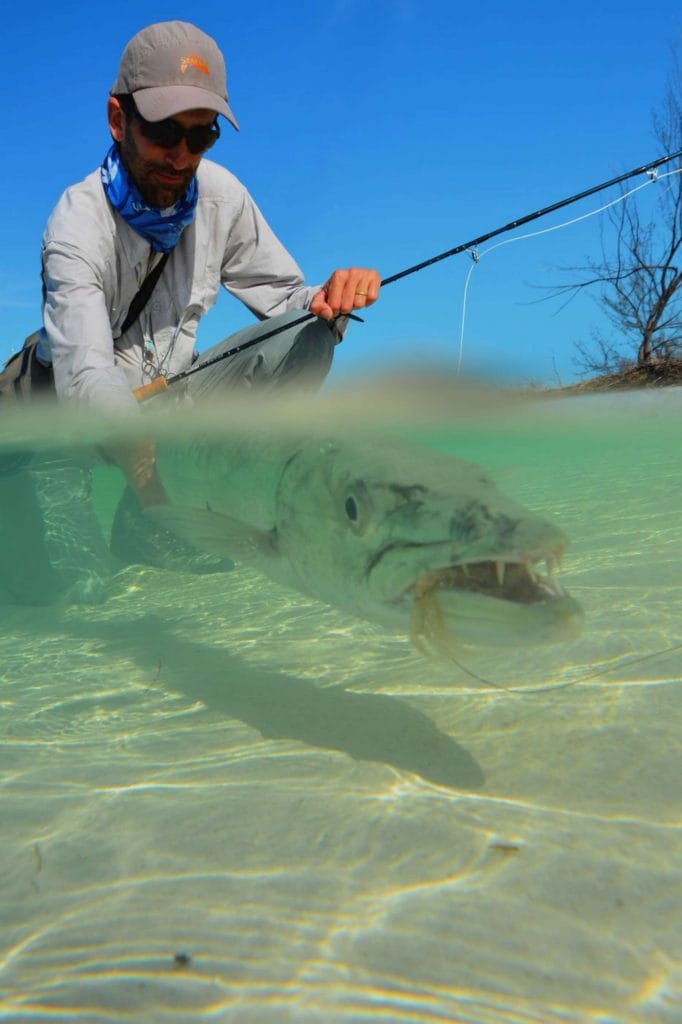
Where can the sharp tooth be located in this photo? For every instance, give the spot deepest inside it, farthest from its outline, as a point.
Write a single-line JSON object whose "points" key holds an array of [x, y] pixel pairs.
{"points": [[559, 555], [531, 572], [549, 565], [465, 568], [499, 569]]}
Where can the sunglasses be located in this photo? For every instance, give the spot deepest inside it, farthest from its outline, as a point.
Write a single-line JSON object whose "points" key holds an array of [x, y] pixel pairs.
{"points": [[170, 133]]}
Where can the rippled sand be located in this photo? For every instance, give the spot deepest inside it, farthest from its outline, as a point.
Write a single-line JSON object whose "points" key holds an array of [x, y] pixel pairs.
{"points": [[223, 801]]}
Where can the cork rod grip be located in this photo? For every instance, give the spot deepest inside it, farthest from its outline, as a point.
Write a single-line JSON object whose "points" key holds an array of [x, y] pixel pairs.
{"points": [[146, 391]]}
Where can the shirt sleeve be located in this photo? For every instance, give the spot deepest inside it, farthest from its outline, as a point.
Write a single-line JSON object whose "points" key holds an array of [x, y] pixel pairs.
{"points": [[78, 331], [258, 270]]}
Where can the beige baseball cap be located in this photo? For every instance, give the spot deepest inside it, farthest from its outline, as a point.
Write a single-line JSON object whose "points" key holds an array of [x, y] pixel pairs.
{"points": [[173, 66]]}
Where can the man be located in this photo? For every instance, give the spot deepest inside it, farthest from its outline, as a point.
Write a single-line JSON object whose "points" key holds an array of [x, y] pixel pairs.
{"points": [[155, 194], [111, 324]]}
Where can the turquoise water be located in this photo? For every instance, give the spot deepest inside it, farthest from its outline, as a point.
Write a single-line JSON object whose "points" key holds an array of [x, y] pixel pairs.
{"points": [[224, 801]]}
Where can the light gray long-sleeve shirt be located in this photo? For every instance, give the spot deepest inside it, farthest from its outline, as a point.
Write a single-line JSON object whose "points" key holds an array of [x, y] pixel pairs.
{"points": [[94, 264]]}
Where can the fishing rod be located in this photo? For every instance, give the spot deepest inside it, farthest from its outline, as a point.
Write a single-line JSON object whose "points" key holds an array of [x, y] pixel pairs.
{"points": [[162, 383]]}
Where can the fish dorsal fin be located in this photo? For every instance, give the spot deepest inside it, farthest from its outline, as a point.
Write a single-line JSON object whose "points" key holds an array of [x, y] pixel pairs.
{"points": [[212, 531]]}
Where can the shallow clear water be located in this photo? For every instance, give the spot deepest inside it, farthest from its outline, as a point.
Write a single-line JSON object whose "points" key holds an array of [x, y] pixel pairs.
{"points": [[222, 800]]}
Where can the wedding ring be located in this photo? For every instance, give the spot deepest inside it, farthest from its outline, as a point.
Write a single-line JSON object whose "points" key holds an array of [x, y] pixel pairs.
{"points": [[361, 293]]}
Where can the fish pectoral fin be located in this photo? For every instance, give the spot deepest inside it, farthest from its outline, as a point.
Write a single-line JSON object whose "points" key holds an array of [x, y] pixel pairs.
{"points": [[212, 531]]}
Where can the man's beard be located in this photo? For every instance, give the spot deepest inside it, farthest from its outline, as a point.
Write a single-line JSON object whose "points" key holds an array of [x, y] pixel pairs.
{"points": [[143, 173]]}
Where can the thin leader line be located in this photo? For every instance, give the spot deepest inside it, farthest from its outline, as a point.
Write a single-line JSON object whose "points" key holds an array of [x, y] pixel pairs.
{"points": [[477, 256]]}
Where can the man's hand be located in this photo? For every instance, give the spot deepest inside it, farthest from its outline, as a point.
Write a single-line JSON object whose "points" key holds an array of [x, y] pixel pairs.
{"points": [[137, 462], [345, 291]]}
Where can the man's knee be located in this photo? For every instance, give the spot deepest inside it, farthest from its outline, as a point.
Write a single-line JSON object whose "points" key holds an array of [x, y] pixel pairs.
{"points": [[297, 356], [306, 359]]}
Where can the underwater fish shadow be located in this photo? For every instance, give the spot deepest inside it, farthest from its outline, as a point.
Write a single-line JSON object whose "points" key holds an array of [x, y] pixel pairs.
{"points": [[368, 727]]}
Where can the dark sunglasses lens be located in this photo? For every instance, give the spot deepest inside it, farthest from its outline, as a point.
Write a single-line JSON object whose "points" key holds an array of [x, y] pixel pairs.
{"points": [[162, 133], [169, 133], [201, 137]]}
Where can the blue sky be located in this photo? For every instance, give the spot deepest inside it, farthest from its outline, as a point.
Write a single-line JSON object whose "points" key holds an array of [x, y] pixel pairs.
{"points": [[380, 133]]}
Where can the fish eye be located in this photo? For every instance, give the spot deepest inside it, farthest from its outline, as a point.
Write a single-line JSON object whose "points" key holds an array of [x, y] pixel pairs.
{"points": [[355, 505], [352, 510]]}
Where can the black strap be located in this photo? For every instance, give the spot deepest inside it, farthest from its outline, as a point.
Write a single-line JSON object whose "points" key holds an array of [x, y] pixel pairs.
{"points": [[24, 368], [144, 294]]}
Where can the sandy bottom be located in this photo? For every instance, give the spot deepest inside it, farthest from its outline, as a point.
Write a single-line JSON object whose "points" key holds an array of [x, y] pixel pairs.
{"points": [[221, 801]]}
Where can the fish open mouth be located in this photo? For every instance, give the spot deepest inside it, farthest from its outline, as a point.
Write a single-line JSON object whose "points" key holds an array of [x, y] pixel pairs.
{"points": [[499, 601], [506, 579]]}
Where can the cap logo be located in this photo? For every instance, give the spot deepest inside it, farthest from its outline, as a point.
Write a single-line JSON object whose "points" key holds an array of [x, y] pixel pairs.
{"points": [[194, 61]]}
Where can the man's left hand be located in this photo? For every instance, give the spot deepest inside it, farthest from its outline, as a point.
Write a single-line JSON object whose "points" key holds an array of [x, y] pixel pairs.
{"points": [[345, 291]]}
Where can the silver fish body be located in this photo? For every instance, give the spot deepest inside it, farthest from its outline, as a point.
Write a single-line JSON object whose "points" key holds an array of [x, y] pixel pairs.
{"points": [[409, 538]]}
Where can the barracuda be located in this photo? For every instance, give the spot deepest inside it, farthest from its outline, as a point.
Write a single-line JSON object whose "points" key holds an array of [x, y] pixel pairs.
{"points": [[414, 540]]}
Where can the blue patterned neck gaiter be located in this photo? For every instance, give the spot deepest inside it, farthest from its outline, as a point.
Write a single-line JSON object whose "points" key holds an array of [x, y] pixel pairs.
{"points": [[160, 227]]}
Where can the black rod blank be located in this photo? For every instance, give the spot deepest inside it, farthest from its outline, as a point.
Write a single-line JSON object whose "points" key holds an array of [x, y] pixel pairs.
{"points": [[643, 169]]}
